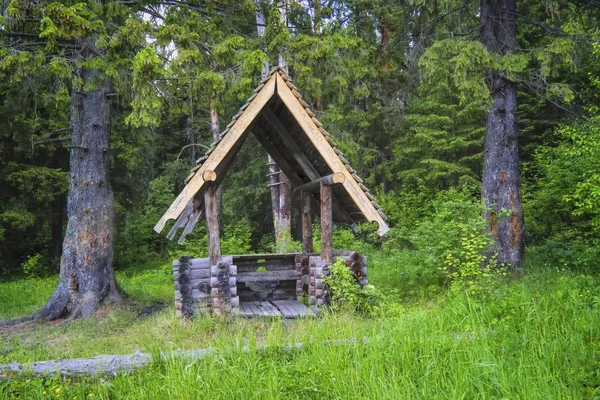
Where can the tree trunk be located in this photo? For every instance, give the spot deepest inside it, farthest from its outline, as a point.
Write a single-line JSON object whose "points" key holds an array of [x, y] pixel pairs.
{"points": [[280, 204], [215, 130], [326, 224], [501, 189], [285, 199], [278, 182], [86, 275]]}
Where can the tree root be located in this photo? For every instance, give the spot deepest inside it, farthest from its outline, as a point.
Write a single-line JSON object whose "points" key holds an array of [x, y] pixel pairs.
{"points": [[63, 304]]}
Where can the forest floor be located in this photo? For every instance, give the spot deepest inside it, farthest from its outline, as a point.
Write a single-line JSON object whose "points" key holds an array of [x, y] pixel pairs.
{"points": [[533, 336]]}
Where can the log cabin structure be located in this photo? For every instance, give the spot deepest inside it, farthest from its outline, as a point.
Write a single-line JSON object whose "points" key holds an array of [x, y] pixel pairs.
{"points": [[291, 134]]}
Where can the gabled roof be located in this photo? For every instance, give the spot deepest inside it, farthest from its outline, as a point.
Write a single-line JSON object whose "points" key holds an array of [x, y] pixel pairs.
{"points": [[289, 131]]}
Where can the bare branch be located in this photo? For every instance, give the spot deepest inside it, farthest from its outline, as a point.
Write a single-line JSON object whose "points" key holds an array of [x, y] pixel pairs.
{"points": [[190, 145]]}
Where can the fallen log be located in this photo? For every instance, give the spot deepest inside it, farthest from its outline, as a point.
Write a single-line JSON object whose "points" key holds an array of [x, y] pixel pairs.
{"points": [[113, 364]]}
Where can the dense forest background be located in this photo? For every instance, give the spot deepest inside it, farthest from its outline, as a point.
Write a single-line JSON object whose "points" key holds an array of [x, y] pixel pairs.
{"points": [[400, 85]]}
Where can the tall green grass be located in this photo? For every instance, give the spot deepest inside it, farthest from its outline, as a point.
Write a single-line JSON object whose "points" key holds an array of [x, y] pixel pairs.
{"points": [[531, 337], [21, 297]]}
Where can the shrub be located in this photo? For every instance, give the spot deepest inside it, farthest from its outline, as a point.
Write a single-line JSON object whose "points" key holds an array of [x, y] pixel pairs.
{"points": [[577, 255], [346, 293], [36, 266], [469, 267], [236, 238], [448, 245]]}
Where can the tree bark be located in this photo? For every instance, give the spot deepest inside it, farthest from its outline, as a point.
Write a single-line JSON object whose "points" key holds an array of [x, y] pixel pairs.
{"points": [[212, 225], [307, 239], [86, 275], [501, 191], [285, 199], [326, 224], [215, 130], [280, 204]]}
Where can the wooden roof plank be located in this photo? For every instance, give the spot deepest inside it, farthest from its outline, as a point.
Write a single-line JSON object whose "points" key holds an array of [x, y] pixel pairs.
{"points": [[182, 220], [329, 155], [225, 145], [194, 218]]}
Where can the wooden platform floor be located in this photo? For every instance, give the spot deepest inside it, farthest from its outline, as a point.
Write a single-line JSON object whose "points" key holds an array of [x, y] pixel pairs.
{"points": [[275, 308]]}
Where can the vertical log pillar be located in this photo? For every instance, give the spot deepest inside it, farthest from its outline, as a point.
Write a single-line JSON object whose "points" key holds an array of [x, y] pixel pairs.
{"points": [[212, 224], [307, 240], [326, 224]]}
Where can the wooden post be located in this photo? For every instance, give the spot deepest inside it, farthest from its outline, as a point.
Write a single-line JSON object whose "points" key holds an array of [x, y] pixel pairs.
{"points": [[307, 240], [326, 224], [212, 224]]}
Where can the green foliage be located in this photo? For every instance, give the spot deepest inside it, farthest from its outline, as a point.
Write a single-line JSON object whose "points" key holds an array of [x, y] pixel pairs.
{"points": [[400, 86], [457, 65], [76, 21], [136, 238], [43, 184], [470, 267], [346, 239], [146, 103], [277, 34], [560, 256], [285, 243], [447, 117], [36, 266], [346, 293], [435, 241], [563, 201], [17, 219], [237, 238]]}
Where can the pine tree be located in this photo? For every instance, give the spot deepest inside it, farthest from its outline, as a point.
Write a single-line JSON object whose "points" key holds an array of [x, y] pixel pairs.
{"points": [[95, 42]]}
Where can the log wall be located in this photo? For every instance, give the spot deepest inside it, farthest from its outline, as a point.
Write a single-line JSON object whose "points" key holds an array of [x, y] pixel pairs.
{"points": [[201, 287]]}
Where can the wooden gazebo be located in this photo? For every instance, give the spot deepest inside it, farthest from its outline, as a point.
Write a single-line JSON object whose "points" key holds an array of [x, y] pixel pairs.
{"points": [[289, 131]]}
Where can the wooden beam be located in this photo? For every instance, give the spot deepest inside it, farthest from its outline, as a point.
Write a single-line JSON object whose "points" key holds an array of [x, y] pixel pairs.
{"points": [[269, 276], [328, 154], [326, 224], [212, 224], [293, 177], [209, 175], [240, 258], [327, 180], [236, 132], [307, 239]]}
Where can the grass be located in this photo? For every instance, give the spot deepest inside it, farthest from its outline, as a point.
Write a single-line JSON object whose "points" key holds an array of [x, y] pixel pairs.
{"points": [[531, 337]]}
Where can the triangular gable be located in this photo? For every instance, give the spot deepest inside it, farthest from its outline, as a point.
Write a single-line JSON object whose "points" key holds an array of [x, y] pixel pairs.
{"points": [[220, 155]]}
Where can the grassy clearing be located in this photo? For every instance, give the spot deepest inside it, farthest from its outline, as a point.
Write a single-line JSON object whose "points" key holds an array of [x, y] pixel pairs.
{"points": [[531, 337]]}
